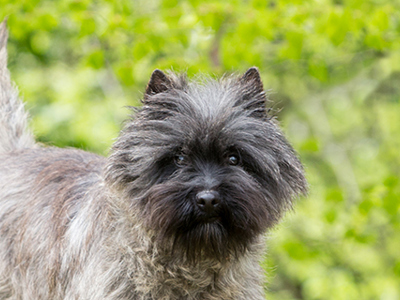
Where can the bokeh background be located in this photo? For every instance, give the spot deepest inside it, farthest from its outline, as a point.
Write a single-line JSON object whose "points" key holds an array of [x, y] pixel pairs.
{"points": [[333, 71]]}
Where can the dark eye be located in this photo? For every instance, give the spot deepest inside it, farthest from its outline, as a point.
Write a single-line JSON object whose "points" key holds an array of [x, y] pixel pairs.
{"points": [[233, 160], [180, 159]]}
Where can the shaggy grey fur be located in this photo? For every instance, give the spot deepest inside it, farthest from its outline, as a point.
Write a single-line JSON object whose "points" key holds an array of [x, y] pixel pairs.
{"points": [[178, 210], [13, 119]]}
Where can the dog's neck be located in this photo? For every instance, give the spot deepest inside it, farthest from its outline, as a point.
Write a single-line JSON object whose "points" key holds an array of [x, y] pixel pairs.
{"points": [[172, 276]]}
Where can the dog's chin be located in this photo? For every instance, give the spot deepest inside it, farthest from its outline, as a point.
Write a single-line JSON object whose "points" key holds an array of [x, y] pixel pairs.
{"points": [[208, 240]]}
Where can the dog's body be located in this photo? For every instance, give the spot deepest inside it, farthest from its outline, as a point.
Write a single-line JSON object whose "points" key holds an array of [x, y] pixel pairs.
{"points": [[178, 210]]}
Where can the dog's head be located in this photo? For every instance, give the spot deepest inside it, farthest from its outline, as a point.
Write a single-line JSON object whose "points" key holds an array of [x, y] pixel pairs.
{"points": [[204, 165]]}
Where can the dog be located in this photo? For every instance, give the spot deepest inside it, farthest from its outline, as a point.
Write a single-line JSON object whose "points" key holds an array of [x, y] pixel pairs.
{"points": [[178, 210]]}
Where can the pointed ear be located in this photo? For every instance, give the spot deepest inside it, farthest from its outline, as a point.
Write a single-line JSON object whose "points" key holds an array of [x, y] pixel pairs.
{"points": [[252, 77], [158, 83], [253, 96], [3, 34]]}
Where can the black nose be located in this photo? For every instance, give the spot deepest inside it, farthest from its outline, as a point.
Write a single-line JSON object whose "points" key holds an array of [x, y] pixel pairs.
{"points": [[208, 201]]}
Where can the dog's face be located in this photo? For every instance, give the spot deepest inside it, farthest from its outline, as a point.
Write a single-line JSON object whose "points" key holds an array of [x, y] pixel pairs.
{"points": [[206, 167]]}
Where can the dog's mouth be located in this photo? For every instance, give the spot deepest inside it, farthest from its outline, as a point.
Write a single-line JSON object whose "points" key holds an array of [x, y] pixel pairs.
{"points": [[212, 219]]}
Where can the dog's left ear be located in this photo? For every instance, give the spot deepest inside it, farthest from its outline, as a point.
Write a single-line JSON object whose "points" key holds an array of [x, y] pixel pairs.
{"points": [[252, 78], [158, 83], [253, 95]]}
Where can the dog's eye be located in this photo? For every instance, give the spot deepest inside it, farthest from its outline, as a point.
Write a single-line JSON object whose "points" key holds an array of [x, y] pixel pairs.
{"points": [[180, 159], [233, 160]]}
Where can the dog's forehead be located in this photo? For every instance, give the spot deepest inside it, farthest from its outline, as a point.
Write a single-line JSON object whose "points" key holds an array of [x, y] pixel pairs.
{"points": [[216, 124], [213, 99]]}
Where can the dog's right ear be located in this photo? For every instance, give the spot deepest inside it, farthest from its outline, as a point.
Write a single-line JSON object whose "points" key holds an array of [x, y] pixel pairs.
{"points": [[158, 83]]}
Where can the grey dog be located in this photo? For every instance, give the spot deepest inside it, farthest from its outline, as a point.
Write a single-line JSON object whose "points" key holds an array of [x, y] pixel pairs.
{"points": [[178, 210]]}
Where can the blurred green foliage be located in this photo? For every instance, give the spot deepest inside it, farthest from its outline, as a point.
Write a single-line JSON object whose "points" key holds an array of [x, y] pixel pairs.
{"points": [[333, 66]]}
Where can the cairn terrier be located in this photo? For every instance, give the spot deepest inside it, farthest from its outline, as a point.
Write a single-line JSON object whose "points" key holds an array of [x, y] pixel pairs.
{"points": [[178, 210]]}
